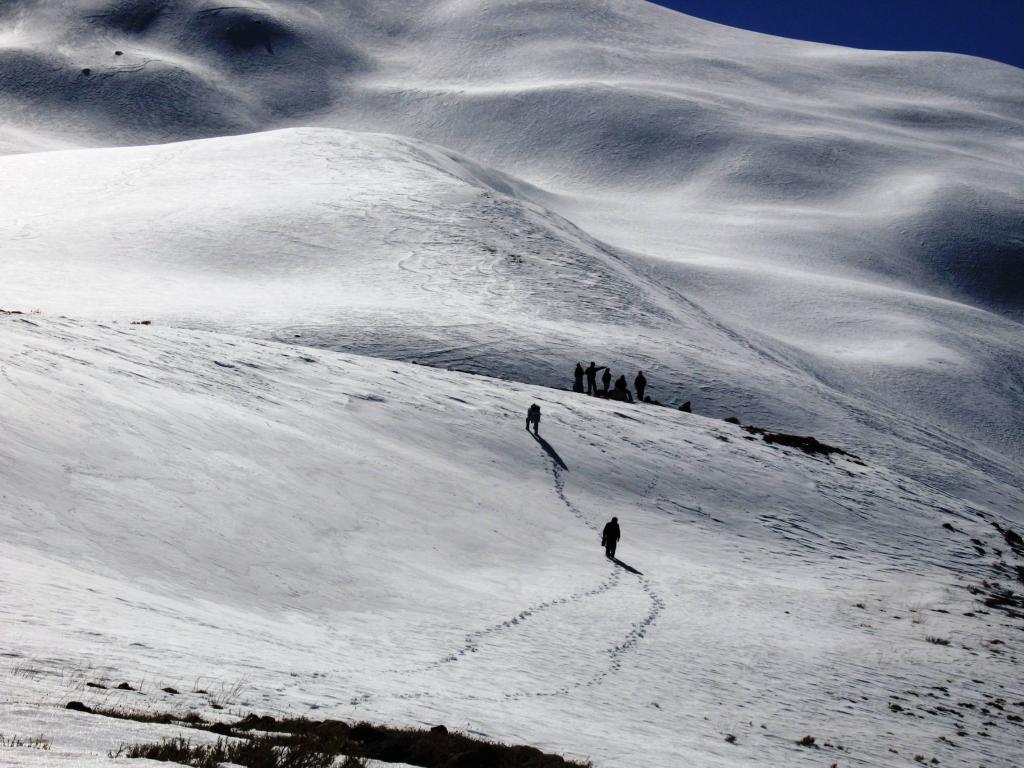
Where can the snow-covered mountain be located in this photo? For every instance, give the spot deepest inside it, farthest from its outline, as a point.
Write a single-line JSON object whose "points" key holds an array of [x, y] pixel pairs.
{"points": [[298, 194], [358, 538], [685, 139], [770, 226]]}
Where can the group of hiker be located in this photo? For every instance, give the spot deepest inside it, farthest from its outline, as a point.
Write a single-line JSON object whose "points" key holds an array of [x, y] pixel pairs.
{"points": [[620, 391]]}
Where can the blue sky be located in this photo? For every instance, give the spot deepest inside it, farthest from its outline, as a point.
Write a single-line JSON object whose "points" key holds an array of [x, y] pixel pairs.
{"points": [[993, 29]]}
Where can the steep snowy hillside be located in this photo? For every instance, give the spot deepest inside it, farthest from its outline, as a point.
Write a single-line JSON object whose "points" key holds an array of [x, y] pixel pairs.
{"points": [[350, 537], [787, 230], [259, 495], [401, 250]]}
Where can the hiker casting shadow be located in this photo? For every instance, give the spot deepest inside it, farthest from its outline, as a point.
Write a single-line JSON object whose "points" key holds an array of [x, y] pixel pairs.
{"points": [[610, 537], [533, 417]]}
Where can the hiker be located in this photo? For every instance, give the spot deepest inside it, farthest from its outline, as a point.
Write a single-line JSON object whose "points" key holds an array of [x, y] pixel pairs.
{"points": [[591, 372], [610, 537], [606, 379], [577, 384], [533, 417], [640, 383], [622, 392]]}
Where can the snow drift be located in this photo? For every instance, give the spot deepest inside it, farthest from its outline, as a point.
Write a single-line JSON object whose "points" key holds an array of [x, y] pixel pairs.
{"points": [[686, 138]]}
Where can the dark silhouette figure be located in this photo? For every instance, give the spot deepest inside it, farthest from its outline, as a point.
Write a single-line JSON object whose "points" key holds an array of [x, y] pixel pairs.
{"points": [[610, 537], [640, 384], [577, 384], [621, 391], [606, 379], [591, 372], [533, 417]]}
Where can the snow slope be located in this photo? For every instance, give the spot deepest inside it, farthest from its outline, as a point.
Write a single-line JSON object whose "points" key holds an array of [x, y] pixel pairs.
{"points": [[807, 236], [401, 250], [814, 239], [353, 537]]}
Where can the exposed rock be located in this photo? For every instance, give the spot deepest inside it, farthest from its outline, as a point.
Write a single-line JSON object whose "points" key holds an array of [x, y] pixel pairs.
{"points": [[805, 443]]}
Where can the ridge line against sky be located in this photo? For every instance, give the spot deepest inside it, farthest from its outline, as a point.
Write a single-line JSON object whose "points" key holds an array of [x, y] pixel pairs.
{"points": [[991, 29]]}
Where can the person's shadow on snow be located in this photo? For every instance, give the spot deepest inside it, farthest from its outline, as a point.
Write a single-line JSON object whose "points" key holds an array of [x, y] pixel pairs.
{"points": [[629, 568], [550, 451]]}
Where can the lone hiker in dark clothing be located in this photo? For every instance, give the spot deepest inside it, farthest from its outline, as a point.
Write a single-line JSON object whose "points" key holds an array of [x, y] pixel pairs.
{"points": [[591, 372], [641, 384], [621, 392], [606, 379], [533, 417], [610, 537], [577, 384]]}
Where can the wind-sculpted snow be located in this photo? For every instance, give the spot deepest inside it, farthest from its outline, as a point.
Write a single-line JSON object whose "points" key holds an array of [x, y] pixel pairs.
{"points": [[684, 139], [814, 239], [148, 70], [402, 250], [842, 212], [272, 527]]}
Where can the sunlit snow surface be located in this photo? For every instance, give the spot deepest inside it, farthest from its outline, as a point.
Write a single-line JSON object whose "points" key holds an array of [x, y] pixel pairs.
{"points": [[260, 497], [356, 538]]}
